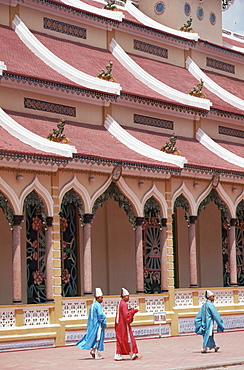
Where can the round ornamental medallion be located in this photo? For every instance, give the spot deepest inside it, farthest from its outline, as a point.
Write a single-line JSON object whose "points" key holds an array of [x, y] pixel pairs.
{"points": [[200, 13], [187, 9], [212, 18], [159, 7]]}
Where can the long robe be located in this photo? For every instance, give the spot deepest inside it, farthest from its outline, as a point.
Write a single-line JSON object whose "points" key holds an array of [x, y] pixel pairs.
{"points": [[205, 319], [125, 341], [94, 337]]}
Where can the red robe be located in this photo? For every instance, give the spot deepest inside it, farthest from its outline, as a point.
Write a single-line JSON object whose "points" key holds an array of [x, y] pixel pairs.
{"points": [[124, 317]]}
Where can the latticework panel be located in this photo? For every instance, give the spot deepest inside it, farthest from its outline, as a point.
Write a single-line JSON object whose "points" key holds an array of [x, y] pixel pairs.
{"points": [[74, 308], [183, 299], [154, 304], [7, 319], [36, 317]]}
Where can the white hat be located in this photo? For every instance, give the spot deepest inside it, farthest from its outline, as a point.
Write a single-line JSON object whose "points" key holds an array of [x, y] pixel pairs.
{"points": [[98, 292], [208, 293], [124, 292]]}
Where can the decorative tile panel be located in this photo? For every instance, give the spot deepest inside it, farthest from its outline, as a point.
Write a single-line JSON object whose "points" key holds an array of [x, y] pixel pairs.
{"points": [[150, 49], [7, 318], [73, 308], [231, 132], [66, 28], [222, 66], [154, 304], [24, 344], [221, 297], [241, 296], [36, 317], [183, 299], [138, 331], [151, 121], [186, 325], [49, 107], [233, 321]]}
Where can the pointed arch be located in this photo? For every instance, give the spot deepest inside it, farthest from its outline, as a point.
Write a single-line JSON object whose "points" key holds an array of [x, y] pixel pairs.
{"points": [[114, 192], [11, 195], [41, 191], [80, 190], [239, 199], [155, 193], [223, 197], [126, 190], [188, 196]]}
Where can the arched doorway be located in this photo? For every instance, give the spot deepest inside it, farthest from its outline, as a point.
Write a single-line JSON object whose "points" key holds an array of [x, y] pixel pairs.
{"points": [[71, 217]]}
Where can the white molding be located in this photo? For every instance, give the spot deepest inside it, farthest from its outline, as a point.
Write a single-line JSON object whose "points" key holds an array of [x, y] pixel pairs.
{"points": [[188, 195], [155, 84], [139, 147], [59, 65], [80, 189], [36, 141], [149, 22], [11, 196], [117, 16], [3, 67], [155, 193], [233, 47], [217, 149], [213, 86]]}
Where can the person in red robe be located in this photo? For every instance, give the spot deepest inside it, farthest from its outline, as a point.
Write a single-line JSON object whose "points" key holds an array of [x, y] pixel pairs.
{"points": [[125, 341]]}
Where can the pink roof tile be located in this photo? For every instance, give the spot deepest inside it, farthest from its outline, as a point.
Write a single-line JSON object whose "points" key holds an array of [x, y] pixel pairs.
{"points": [[88, 138]]}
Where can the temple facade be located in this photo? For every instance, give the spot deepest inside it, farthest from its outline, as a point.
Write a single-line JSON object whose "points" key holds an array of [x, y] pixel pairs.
{"points": [[122, 165]]}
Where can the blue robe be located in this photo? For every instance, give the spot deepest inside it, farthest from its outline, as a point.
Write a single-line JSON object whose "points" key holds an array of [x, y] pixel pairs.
{"points": [[204, 323], [94, 337]]}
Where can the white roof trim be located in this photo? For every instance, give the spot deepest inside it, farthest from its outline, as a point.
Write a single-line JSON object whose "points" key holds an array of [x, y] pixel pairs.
{"points": [[139, 147], [155, 84], [149, 22], [36, 141], [3, 67], [233, 47], [212, 86], [59, 65], [117, 16], [217, 149]]}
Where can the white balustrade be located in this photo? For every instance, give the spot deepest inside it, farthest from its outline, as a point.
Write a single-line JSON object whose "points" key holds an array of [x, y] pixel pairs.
{"points": [[154, 304], [7, 318], [36, 316], [74, 308]]}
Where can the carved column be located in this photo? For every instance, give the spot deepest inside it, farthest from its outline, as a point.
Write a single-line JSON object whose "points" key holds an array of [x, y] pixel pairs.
{"points": [[49, 261], [163, 260], [16, 247], [87, 268], [193, 251], [232, 252], [139, 255]]}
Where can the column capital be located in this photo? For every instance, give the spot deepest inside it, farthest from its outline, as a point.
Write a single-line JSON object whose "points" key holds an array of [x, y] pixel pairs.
{"points": [[17, 220], [49, 220], [193, 219], [233, 221], [139, 221], [88, 218], [164, 222]]}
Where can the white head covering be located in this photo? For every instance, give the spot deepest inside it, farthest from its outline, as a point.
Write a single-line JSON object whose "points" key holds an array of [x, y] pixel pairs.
{"points": [[208, 293], [124, 292], [98, 292]]}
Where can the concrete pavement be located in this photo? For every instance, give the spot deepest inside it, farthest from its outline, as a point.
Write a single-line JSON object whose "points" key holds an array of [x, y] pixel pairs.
{"points": [[173, 353]]}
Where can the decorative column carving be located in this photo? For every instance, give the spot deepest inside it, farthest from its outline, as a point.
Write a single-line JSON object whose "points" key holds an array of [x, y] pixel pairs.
{"points": [[139, 255], [87, 268], [16, 247], [49, 261], [163, 257], [193, 251], [232, 252]]}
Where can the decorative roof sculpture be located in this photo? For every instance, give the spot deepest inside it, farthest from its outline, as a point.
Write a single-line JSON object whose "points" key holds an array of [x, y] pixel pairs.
{"points": [[106, 74], [57, 134], [197, 90], [187, 26], [170, 147]]}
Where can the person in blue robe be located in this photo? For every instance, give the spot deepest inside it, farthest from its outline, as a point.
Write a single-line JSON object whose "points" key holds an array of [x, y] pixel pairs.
{"points": [[204, 323], [93, 340]]}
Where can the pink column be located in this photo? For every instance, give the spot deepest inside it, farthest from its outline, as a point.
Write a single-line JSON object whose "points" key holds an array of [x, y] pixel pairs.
{"points": [[139, 255], [193, 251], [49, 261], [87, 268], [16, 247], [163, 257], [232, 252]]}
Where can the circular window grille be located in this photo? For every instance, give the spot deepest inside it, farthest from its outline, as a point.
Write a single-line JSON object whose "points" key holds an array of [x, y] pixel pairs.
{"points": [[212, 18], [159, 7], [187, 9], [200, 13]]}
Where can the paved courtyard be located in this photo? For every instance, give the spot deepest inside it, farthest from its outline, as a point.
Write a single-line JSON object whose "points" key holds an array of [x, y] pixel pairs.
{"points": [[182, 352]]}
